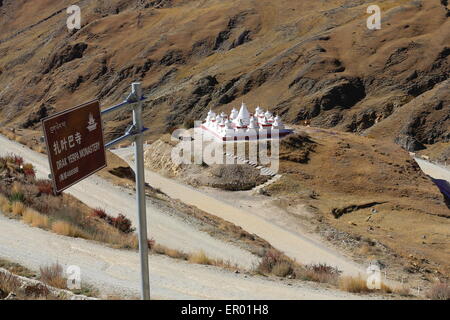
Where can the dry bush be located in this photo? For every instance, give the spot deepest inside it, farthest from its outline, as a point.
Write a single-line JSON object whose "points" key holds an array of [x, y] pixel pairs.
{"points": [[37, 290], [173, 253], [4, 204], [17, 208], [8, 284], [282, 269], [273, 262], [17, 187], [402, 290], [35, 219], [353, 284], [439, 291], [200, 258], [53, 275], [319, 273], [6, 207], [66, 229]]}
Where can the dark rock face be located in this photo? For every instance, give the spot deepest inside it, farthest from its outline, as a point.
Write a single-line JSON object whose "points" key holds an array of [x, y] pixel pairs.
{"points": [[409, 143], [173, 57], [205, 86], [343, 94], [36, 117], [68, 54]]}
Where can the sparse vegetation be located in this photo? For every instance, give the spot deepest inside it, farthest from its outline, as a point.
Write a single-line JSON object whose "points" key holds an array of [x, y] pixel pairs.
{"points": [[35, 219], [320, 273], [353, 284], [439, 291], [274, 262], [22, 196], [53, 275]]}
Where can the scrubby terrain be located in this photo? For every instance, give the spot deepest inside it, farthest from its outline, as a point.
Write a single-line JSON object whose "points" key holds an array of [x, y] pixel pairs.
{"points": [[302, 59], [372, 190]]}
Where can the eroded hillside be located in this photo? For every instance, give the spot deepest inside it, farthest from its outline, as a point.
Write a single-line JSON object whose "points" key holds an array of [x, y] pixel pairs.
{"points": [[302, 59]]}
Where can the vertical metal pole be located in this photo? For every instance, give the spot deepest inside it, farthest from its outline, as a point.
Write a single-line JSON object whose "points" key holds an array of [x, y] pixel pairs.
{"points": [[140, 192]]}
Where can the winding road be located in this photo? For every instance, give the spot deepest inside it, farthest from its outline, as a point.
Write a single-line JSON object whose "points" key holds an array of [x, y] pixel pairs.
{"points": [[166, 228], [116, 272], [294, 244]]}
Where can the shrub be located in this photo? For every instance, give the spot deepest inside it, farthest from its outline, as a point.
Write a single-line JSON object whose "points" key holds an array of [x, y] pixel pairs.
{"points": [[439, 291], [66, 229], [268, 261], [4, 204], [17, 208], [37, 290], [200, 258], [8, 284], [28, 170], [45, 187], [99, 213], [353, 284], [35, 219], [17, 160], [320, 273], [17, 197], [282, 269], [6, 207], [121, 222], [53, 275]]}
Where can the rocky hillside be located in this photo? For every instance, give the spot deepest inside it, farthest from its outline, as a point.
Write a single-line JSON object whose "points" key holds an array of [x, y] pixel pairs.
{"points": [[302, 59]]}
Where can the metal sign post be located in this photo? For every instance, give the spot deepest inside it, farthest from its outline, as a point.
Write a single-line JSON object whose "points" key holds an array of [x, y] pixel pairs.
{"points": [[135, 133], [140, 191], [76, 150]]}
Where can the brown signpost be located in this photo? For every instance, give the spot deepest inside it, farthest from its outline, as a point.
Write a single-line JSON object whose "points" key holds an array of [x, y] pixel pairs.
{"points": [[75, 144]]}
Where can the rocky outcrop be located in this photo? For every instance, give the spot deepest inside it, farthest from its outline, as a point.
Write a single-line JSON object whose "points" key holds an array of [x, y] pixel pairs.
{"points": [[409, 143], [67, 54]]}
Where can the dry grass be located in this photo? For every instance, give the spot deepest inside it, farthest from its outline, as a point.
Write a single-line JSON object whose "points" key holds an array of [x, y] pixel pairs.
{"points": [[402, 290], [35, 219], [5, 206], [439, 291], [66, 229], [17, 208], [8, 284], [282, 269], [17, 187], [200, 258], [353, 284], [53, 275], [319, 273], [173, 253]]}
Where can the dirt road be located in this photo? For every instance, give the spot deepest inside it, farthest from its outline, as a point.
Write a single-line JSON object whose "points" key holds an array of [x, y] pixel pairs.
{"points": [[296, 245], [433, 170], [164, 227], [115, 271]]}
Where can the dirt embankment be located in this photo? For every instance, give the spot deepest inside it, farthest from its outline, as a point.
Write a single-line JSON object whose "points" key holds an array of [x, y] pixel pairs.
{"points": [[231, 177], [374, 191]]}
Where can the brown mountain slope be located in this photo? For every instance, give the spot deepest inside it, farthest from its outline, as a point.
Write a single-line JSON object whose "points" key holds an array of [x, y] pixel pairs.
{"points": [[372, 190], [303, 59]]}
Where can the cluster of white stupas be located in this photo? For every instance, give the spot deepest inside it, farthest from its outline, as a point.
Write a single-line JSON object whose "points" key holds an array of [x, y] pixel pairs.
{"points": [[244, 125]]}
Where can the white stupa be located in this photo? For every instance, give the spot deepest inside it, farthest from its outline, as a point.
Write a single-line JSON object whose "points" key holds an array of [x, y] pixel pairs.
{"points": [[243, 117], [244, 126]]}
